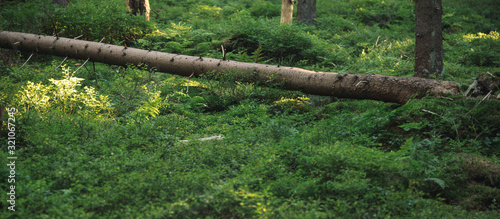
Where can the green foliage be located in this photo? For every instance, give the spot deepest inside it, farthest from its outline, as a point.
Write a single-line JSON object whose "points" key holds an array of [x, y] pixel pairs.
{"points": [[82, 18], [183, 103], [470, 16], [115, 142], [262, 8], [62, 95], [27, 16], [463, 125], [478, 49], [92, 20], [172, 40], [384, 14], [279, 41], [149, 108], [294, 105], [234, 86], [7, 90]]}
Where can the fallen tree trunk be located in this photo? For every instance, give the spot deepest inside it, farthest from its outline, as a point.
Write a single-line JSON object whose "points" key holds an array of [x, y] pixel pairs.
{"points": [[376, 87]]}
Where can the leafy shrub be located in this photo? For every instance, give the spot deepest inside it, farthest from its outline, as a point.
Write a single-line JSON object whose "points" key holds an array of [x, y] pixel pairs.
{"points": [[149, 107], [178, 38], [63, 96], [205, 11], [470, 17], [476, 49], [391, 58], [265, 9], [93, 20], [182, 103], [7, 90], [230, 87], [171, 40], [300, 104], [282, 43], [383, 13], [130, 88], [444, 119], [96, 20], [27, 16]]}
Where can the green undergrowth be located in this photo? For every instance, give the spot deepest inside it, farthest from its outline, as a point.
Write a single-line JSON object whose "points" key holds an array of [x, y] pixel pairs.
{"points": [[135, 151], [114, 142]]}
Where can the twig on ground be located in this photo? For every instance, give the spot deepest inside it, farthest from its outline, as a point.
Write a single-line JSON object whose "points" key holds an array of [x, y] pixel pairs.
{"points": [[27, 60], [216, 137], [187, 83]]}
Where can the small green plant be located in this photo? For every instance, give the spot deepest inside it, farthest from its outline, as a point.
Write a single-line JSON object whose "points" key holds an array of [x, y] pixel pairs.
{"points": [[63, 95], [183, 103], [149, 107], [299, 104], [260, 8], [174, 39], [34, 96], [478, 49], [276, 41]]}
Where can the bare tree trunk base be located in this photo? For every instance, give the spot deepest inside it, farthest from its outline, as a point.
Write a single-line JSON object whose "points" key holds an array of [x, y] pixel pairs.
{"points": [[286, 12]]}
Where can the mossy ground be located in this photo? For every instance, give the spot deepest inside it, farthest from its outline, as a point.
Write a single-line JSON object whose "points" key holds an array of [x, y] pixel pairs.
{"points": [[117, 153]]}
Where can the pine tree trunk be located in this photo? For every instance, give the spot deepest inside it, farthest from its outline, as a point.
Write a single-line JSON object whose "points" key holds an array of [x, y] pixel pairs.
{"points": [[286, 12], [306, 11], [428, 39], [376, 87]]}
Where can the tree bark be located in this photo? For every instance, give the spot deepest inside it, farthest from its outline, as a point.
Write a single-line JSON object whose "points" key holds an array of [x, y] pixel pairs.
{"points": [[428, 39], [286, 12], [376, 87], [139, 7], [306, 11]]}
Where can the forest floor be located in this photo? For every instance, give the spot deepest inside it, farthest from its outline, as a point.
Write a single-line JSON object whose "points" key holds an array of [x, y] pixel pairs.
{"points": [[103, 141]]}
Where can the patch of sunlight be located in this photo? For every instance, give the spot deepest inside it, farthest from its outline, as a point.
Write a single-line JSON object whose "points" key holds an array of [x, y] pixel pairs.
{"points": [[493, 35]]}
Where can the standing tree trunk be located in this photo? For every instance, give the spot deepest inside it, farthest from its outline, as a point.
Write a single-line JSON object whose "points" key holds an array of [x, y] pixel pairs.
{"points": [[286, 12], [376, 87], [428, 39], [306, 11], [139, 7]]}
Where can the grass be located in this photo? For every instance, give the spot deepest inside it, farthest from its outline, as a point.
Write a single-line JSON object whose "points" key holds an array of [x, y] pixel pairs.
{"points": [[116, 149]]}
